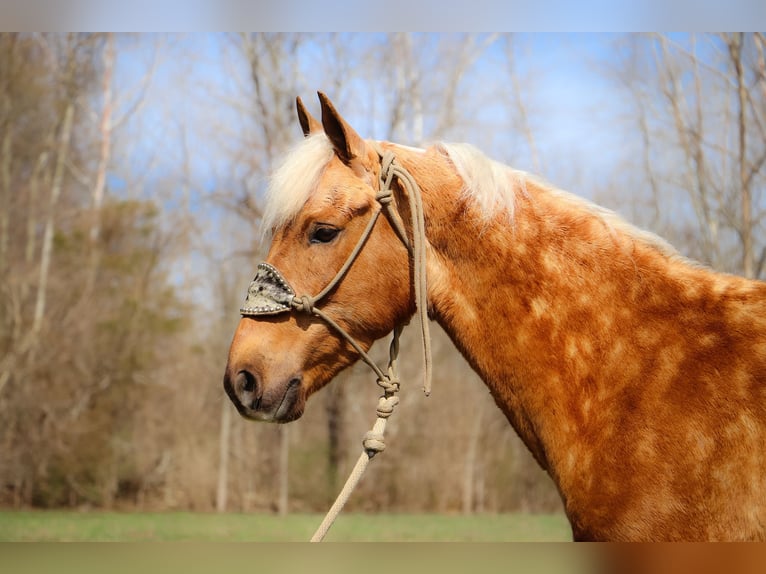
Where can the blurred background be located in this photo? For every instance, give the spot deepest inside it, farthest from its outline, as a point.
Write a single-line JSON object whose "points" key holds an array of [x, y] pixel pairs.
{"points": [[131, 176]]}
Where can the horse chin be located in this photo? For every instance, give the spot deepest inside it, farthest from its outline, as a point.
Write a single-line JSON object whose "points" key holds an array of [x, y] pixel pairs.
{"points": [[290, 416], [283, 417]]}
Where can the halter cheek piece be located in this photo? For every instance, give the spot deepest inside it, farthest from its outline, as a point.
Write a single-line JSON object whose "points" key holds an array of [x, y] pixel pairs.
{"points": [[270, 294]]}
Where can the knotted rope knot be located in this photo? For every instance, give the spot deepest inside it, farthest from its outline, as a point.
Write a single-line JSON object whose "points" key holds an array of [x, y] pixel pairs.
{"points": [[304, 304], [373, 443], [386, 406], [389, 384], [386, 171], [384, 197]]}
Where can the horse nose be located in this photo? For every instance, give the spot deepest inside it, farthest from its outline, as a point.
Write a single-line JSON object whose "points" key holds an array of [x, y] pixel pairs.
{"points": [[245, 389]]}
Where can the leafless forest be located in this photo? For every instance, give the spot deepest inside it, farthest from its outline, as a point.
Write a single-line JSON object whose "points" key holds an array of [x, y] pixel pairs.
{"points": [[131, 172]]}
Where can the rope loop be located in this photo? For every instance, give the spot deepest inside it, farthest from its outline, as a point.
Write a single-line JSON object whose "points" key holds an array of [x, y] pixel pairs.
{"points": [[386, 171], [303, 304]]}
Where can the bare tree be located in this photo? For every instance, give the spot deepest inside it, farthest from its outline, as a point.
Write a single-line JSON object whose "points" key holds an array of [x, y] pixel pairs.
{"points": [[62, 151], [517, 95], [701, 119]]}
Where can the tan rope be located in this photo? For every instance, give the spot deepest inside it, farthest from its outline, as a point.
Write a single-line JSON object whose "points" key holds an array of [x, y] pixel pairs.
{"points": [[364, 356], [351, 258], [389, 164], [373, 442]]}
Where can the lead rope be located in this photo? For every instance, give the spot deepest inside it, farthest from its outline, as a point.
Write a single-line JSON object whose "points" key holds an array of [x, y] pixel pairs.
{"points": [[373, 441]]}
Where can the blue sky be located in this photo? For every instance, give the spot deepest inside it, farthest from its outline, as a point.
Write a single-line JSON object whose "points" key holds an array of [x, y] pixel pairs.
{"points": [[572, 104]]}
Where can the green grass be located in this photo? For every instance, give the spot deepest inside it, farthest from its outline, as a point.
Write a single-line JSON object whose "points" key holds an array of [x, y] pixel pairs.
{"points": [[49, 526]]}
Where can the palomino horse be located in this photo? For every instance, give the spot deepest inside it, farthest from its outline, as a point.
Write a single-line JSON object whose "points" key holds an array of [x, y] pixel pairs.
{"points": [[636, 377]]}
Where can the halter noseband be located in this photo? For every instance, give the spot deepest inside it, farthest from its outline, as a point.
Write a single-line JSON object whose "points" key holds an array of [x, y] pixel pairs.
{"points": [[270, 294]]}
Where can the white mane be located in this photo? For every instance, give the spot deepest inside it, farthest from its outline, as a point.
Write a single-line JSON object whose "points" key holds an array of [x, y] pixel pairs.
{"points": [[489, 183], [294, 179], [493, 186]]}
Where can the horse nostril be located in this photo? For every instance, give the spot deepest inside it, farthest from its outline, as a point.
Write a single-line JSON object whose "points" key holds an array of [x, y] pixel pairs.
{"points": [[247, 390], [294, 382], [246, 381]]}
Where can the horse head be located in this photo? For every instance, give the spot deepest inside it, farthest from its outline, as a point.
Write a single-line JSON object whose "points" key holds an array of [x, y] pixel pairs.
{"points": [[322, 210]]}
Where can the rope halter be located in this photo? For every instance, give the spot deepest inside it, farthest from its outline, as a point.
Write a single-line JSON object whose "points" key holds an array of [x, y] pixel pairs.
{"points": [[270, 293]]}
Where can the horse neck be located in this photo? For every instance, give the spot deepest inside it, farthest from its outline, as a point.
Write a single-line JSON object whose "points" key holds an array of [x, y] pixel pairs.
{"points": [[530, 302]]}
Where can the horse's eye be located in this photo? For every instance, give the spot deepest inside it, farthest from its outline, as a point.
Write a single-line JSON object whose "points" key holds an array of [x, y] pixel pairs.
{"points": [[323, 234]]}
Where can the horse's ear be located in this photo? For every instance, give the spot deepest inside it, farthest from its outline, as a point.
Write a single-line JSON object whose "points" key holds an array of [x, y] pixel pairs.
{"points": [[347, 143], [309, 124]]}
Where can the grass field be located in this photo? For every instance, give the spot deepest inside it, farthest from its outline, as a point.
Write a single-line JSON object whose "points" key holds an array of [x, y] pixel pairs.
{"points": [[50, 526]]}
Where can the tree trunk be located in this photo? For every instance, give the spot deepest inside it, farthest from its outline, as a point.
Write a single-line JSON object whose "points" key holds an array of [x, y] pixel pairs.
{"points": [[47, 247], [284, 450], [5, 190], [469, 469], [334, 408], [99, 187], [746, 231], [38, 176], [222, 490], [521, 108]]}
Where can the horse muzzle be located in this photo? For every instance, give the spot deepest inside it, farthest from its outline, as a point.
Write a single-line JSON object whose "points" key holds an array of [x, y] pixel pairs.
{"points": [[279, 402]]}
